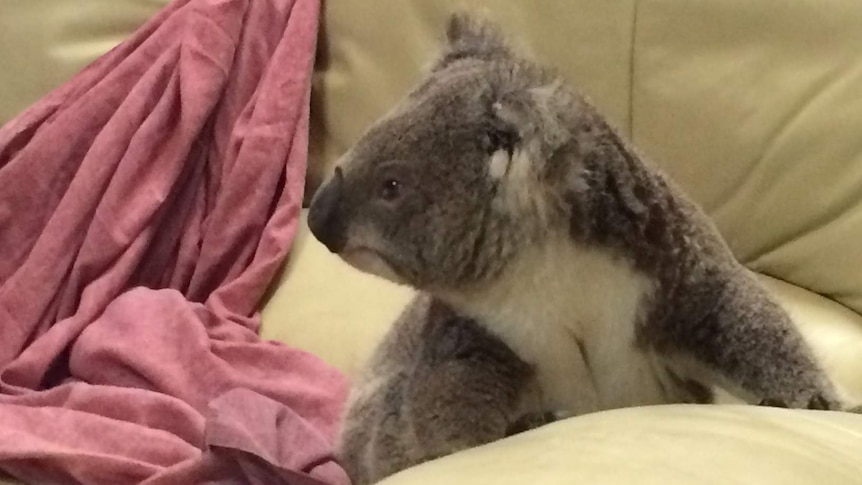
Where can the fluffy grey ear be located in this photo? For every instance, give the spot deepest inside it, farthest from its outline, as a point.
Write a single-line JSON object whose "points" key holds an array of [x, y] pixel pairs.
{"points": [[532, 121], [535, 116], [471, 37]]}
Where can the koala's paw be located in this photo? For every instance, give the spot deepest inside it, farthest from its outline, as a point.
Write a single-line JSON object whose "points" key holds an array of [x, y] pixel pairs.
{"points": [[772, 403], [534, 420], [818, 402]]}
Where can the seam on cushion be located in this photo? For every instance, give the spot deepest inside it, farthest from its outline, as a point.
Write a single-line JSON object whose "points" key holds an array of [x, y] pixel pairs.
{"points": [[631, 120]]}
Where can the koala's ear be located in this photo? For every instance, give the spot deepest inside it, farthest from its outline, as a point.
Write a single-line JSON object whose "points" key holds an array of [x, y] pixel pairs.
{"points": [[534, 115], [533, 121], [471, 37]]}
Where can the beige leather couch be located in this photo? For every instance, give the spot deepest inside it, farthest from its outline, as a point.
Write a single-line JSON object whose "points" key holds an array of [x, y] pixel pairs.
{"points": [[754, 106]]}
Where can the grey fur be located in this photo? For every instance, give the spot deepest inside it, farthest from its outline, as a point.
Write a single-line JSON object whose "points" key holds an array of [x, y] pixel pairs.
{"points": [[456, 223], [437, 384]]}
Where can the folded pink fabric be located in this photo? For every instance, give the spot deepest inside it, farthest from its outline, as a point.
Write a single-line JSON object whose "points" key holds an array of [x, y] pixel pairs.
{"points": [[145, 206]]}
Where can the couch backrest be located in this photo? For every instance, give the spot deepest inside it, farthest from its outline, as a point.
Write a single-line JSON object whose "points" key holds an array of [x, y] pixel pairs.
{"points": [[754, 107], [43, 43]]}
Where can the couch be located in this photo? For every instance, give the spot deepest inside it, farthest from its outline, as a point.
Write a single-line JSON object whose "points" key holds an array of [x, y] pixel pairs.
{"points": [[753, 107]]}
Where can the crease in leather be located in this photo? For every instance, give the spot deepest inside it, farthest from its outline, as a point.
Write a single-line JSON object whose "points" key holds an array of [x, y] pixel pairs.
{"points": [[783, 130]]}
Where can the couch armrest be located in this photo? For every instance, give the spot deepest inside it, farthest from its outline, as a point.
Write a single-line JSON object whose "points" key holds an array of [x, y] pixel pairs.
{"points": [[665, 445]]}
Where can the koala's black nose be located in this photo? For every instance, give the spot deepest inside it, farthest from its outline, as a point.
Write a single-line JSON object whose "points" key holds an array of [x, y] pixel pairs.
{"points": [[324, 219]]}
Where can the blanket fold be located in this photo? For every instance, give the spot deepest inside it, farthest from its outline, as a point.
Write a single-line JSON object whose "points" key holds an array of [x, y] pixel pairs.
{"points": [[145, 207]]}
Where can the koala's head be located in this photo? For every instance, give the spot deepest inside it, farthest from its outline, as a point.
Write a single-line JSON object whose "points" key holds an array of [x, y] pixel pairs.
{"points": [[446, 188]]}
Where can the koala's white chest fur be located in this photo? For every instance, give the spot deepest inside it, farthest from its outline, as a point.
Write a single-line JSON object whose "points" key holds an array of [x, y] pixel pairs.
{"points": [[572, 312]]}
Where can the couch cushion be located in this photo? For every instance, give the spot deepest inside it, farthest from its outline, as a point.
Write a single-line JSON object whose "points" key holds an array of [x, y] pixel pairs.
{"points": [[665, 445], [752, 106]]}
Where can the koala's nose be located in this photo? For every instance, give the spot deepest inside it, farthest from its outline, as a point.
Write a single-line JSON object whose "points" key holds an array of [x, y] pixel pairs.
{"points": [[324, 220]]}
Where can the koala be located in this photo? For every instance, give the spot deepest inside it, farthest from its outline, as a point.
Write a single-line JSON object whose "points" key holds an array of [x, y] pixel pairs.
{"points": [[504, 196]]}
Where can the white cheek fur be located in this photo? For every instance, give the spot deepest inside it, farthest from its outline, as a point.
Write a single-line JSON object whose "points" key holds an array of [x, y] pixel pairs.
{"points": [[498, 164], [362, 251], [369, 262], [520, 193]]}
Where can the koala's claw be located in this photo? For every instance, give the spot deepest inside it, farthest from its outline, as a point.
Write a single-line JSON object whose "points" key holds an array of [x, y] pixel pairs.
{"points": [[817, 402], [820, 403], [773, 403], [552, 416]]}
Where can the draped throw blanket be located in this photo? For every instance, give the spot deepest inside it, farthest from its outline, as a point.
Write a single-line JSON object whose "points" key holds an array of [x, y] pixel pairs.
{"points": [[145, 207]]}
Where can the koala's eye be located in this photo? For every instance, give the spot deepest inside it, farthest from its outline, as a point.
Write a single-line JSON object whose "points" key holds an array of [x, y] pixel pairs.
{"points": [[391, 189]]}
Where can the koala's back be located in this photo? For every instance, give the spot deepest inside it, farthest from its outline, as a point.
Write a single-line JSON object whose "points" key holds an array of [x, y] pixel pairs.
{"points": [[438, 383]]}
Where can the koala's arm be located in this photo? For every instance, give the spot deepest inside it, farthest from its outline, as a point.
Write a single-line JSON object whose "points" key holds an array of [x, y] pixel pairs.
{"points": [[439, 383], [748, 345]]}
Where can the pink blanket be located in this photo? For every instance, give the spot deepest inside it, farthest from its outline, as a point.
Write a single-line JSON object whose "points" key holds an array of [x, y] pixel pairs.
{"points": [[145, 206]]}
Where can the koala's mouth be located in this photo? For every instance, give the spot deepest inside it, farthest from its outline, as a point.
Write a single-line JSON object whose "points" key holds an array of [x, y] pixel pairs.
{"points": [[370, 261]]}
